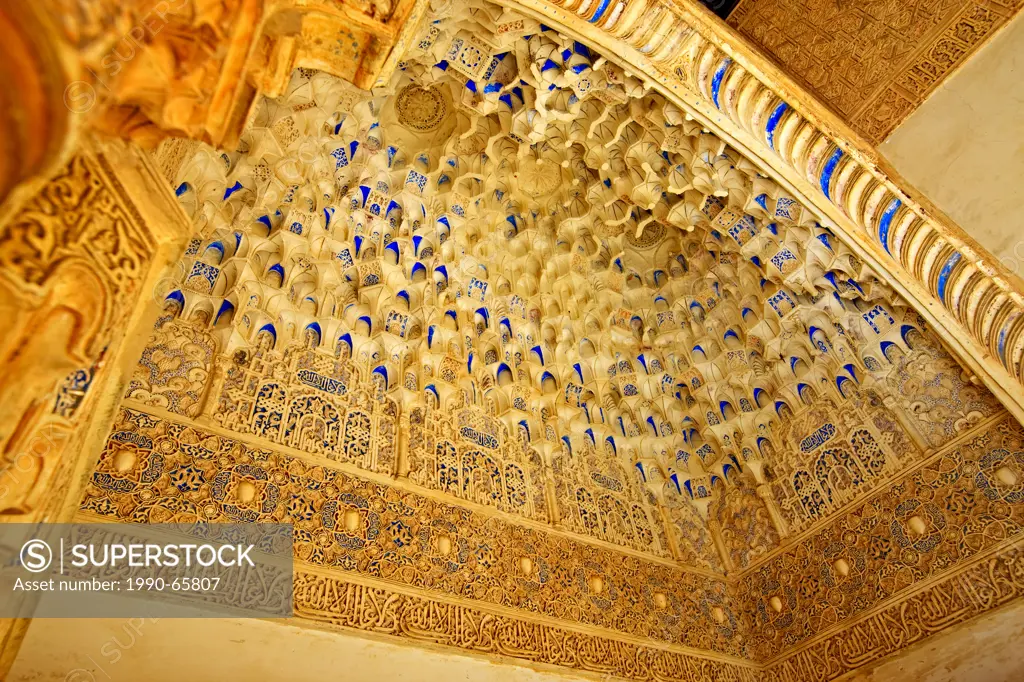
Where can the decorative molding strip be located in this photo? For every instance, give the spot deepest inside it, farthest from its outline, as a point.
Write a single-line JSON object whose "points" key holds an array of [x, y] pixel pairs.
{"points": [[705, 66], [332, 600], [984, 586], [152, 467]]}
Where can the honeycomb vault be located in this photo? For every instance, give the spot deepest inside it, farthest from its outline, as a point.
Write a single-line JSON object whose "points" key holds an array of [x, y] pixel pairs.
{"points": [[539, 367]]}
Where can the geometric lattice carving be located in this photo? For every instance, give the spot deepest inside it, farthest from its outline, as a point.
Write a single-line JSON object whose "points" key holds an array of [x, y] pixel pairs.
{"points": [[309, 401]]}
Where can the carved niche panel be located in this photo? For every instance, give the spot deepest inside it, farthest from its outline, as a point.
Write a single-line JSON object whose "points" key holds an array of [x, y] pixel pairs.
{"points": [[598, 496], [72, 262], [831, 457], [469, 454], [310, 401]]}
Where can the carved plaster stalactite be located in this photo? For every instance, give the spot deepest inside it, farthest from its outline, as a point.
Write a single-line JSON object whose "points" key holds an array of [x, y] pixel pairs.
{"points": [[764, 491], [549, 260], [705, 67], [80, 260], [152, 70]]}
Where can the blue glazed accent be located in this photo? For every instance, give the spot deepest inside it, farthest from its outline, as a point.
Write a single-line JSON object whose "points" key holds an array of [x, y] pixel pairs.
{"points": [[773, 123], [182, 188], [600, 11], [944, 274], [231, 190], [1002, 345], [883, 225], [716, 80], [830, 168]]}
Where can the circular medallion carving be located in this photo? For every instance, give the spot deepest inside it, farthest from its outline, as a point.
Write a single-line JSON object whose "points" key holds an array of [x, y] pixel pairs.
{"points": [[420, 109], [651, 236], [537, 179]]}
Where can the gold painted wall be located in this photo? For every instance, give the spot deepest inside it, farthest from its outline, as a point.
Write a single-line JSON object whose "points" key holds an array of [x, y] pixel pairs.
{"points": [[965, 146], [872, 62]]}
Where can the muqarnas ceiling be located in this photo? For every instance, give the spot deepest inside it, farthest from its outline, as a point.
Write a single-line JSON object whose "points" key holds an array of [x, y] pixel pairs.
{"points": [[518, 278], [519, 241]]}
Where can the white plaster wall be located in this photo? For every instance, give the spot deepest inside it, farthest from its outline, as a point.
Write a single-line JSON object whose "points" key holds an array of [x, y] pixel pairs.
{"points": [[964, 147], [213, 650], [986, 649]]}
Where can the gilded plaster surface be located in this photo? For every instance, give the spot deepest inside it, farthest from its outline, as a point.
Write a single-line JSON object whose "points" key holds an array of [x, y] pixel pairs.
{"points": [[541, 366], [874, 63]]}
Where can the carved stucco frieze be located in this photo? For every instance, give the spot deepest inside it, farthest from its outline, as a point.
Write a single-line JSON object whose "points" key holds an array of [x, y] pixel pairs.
{"points": [[154, 470]]}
